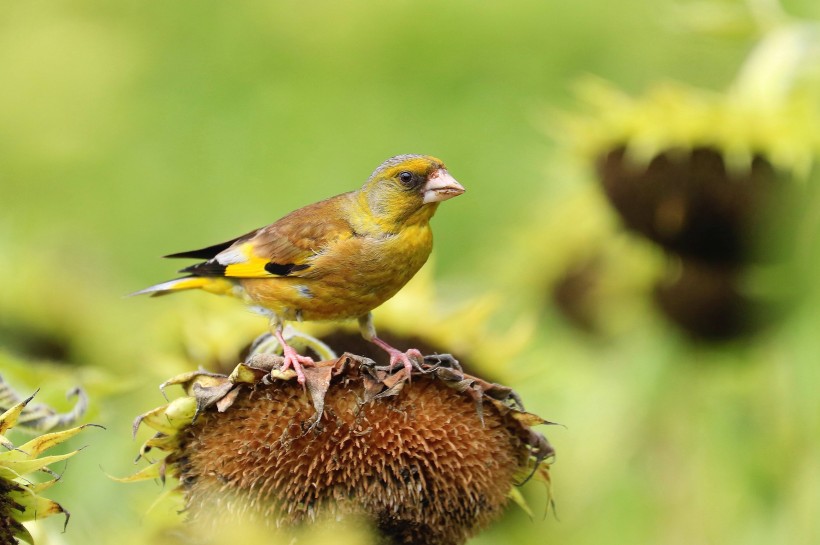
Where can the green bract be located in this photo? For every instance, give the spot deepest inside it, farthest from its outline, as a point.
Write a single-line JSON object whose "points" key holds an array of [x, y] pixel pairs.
{"points": [[20, 498]]}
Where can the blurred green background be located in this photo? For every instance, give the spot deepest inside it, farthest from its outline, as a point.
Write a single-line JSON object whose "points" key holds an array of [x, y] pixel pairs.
{"points": [[129, 130]]}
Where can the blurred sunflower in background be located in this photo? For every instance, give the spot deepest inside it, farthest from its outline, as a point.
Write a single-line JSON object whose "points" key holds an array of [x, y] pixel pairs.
{"points": [[723, 183]]}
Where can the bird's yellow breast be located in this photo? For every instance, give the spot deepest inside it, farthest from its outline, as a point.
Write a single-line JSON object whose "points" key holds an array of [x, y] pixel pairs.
{"points": [[348, 278]]}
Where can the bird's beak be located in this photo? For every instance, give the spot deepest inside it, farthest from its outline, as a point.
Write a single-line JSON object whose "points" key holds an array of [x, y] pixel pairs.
{"points": [[440, 187]]}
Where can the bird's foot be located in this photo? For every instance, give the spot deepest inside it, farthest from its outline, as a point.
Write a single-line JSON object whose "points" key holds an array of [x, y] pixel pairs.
{"points": [[404, 357], [397, 356], [295, 360]]}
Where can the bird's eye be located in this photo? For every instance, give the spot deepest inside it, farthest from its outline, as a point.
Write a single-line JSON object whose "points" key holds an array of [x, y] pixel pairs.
{"points": [[406, 177]]}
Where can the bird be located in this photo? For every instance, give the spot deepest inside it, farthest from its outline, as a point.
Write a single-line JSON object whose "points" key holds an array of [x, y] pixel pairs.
{"points": [[335, 259]]}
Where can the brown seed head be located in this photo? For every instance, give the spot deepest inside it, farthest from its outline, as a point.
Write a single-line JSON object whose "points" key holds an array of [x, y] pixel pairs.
{"points": [[430, 461]]}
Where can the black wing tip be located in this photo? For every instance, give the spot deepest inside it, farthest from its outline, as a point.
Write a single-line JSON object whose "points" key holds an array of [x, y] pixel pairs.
{"points": [[203, 253], [177, 255]]}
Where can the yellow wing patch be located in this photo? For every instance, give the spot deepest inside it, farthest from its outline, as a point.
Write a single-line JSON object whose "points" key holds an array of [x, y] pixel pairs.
{"points": [[254, 267], [243, 263]]}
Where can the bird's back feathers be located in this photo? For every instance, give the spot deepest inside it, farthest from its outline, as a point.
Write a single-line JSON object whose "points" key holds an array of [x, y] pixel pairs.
{"points": [[284, 248]]}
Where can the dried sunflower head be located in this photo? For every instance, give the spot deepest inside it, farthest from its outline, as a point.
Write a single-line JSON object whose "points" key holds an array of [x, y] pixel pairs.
{"points": [[20, 499], [428, 461]]}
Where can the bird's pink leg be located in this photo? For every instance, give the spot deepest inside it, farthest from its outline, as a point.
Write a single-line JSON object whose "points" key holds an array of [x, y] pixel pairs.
{"points": [[292, 357], [368, 331]]}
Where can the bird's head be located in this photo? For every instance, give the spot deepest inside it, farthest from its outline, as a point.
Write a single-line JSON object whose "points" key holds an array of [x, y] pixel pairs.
{"points": [[409, 187]]}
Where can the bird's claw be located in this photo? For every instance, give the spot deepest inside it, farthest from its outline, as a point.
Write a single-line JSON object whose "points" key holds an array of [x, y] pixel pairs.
{"points": [[295, 360], [397, 356]]}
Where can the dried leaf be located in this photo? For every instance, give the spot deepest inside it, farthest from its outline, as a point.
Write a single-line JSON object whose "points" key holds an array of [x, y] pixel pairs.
{"points": [[223, 404], [44, 418], [265, 362], [162, 442], [528, 419], [206, 396], [168, 418], [44, 442], [34, 506], [518, 498], [290, 374], [11, 469], [317, 380], [9, 418], [200, 376], [148, 473]]}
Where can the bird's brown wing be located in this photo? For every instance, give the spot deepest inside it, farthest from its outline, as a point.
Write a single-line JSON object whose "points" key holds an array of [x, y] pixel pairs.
{"points": [[284, 248]]}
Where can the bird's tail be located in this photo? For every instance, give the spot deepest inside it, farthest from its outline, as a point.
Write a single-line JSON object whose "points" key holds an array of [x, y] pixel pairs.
{"points": [[211, 284]]}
